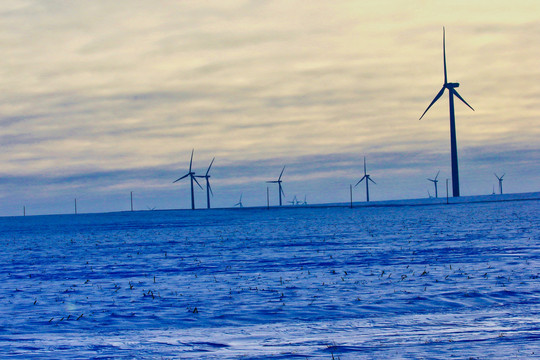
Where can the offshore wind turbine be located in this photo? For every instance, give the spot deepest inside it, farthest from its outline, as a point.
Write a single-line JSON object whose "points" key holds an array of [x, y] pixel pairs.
{"points": [[500, 181], [367, 178], [208, 188], [279, 181], [191, 174], [435, 181], [453, 141]]}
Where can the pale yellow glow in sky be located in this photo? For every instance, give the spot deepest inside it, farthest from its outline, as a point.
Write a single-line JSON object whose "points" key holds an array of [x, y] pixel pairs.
{"points": [[104, 85]]}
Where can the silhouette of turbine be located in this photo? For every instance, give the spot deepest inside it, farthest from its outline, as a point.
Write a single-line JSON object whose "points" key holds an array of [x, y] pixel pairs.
{"points": [[435, 181], [453, 141], [239, 203], [367, 178], [294, 201], [500, 181], [278, 181], [191, 174], [208, 188]]}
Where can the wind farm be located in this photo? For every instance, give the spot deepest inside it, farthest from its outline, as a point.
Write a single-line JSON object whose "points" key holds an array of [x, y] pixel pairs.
{"points": [[118, 242]]}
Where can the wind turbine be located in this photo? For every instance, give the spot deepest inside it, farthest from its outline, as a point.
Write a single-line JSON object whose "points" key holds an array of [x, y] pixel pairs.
{"points": [[435, 181], [278, 181], [305, 201], [191, 174], [453, 141], [208, 188], [239, 203], [500, 181], [367, 178], [294, 201]]}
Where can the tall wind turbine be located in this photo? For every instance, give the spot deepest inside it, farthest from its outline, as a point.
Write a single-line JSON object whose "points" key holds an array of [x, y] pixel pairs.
{"points": [[239, 203], [367, 178], [435, 181], [453, 142], [191, 174], [208, 188], [500, 181], [278, 181]]}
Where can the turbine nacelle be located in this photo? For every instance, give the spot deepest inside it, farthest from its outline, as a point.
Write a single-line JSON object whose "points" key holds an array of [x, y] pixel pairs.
{"points": [[451, 85]]}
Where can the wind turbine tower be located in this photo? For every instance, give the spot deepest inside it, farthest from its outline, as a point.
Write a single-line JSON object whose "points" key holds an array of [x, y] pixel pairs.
{"points": [[367, 178], [453, 141], [280, 188], [500, 181], [208, 188], [191, 174], [435, 181]]}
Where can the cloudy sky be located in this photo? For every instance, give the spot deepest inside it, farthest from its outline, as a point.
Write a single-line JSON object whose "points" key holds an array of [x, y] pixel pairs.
{"points": [[100, 98]]}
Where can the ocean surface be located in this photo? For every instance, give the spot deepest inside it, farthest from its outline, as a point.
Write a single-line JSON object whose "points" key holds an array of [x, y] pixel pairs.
{"points": [[411, 282]]}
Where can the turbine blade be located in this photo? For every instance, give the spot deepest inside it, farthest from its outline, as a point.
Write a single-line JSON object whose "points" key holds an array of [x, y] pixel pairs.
{"points": [[194, 178], [281, 173], [359, 181], [436, 176], [370, 179], [281, 189], [433, 102], [365, 172], [191, 161], [503, 175], [207, 171], [444, 54], [183, 177], [460, 98], [273, 182], [210, 188], [496, 175]]}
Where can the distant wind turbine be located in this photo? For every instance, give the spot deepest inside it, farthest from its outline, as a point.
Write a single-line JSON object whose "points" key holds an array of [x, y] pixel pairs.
{"points": [[453, 141], [239, 203], [500, 181], [208, 188], [367, 178], [278, 181], [191, 174], [294, 201], [305, 201], [435, 181]]}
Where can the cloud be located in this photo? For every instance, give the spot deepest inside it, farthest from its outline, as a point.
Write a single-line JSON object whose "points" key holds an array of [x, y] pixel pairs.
{"points": [[98, 90]]}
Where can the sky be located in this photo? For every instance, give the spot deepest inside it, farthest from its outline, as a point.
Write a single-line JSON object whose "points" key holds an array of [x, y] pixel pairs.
{"points": [[103, 98]]}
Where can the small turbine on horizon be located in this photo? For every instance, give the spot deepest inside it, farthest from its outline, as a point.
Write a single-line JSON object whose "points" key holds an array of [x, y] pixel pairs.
{"points": [[280, 188], [367, 178], [435, 181], [191, 174], [500, 182], [453, 141], [294, 201], [208, 188], [239, 203]]}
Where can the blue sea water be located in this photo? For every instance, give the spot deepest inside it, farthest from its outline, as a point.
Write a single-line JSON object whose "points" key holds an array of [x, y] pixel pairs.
{"points": [[406, 282]]}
